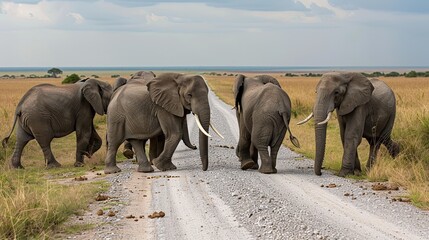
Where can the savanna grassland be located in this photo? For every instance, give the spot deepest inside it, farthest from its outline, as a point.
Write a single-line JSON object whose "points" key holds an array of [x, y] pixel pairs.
{"points": [[411, 130], [32, 203]]}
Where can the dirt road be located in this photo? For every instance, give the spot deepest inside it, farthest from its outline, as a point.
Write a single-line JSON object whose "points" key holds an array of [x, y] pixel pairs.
{"points": [[228, 203]]}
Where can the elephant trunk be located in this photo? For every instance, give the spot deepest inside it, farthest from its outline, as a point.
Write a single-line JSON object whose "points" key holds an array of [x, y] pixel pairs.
{"points": [[204, 117], [320, 114]]}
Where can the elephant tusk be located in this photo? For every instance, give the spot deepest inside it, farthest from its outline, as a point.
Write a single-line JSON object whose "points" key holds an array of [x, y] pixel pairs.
{"points": [[327, 119], [200, 126], [216, 131], [306, 120]]}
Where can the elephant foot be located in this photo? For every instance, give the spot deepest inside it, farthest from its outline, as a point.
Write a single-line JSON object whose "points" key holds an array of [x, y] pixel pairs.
{"points": [[267, 170], [163, 166], [357, 172], [344, 172], [78, 164], [145, 169], [246, 164], [255, 166], [17, 166], [53, 164], [112, 169], [128, 153], [394, 150]]}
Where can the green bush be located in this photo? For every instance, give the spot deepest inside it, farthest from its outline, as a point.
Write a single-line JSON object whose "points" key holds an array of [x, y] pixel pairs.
{"points": [[411, 74], [71, 79], [393, 74], [115, 75]]}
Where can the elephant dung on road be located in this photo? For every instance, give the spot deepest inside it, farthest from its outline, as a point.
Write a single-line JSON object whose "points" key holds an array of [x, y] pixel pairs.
{"points": [[366, 108], [46, 112], [263, 112], [140, 111]]}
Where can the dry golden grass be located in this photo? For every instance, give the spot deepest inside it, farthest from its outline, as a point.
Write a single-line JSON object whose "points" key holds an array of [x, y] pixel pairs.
{"points": [[411, 130]]}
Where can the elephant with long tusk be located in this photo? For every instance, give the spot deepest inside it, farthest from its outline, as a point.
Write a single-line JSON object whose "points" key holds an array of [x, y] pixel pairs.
{"points": [[366, 108], [156, 143], [139, 111]]}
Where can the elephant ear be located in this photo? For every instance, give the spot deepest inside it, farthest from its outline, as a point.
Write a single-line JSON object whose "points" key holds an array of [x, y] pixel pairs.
{"points": [[91, 92], [359, 91], [164, 92], [238, 91], [268, 79]]}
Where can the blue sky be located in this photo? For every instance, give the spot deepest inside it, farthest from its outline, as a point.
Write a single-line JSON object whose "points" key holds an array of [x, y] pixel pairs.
{"points": [[214, 33]]}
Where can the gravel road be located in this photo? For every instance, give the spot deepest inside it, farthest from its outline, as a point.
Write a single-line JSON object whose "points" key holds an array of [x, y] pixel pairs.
{"points": [[228, 203]]}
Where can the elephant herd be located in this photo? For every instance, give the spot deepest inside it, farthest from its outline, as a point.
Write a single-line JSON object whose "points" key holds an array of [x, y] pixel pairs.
{"points": [[149, 107]]}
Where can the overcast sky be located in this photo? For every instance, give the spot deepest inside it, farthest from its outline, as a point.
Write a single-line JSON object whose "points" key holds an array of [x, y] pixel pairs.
{"points": [[214, 33]]}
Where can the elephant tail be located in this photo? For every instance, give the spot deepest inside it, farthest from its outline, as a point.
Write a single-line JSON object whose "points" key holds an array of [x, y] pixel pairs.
{"points": [[6, 139], [292, 138]]}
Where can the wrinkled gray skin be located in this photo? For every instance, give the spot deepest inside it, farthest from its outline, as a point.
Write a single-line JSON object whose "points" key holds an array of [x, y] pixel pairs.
{"points": [[156, 143], [263, 112], [46, 112], [365, 107], [138, 112]]}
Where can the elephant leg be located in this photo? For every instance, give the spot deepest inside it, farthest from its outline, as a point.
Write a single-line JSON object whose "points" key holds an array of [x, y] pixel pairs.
{"points": [[156, 146], [110, 162], [45, 144], [128, 150], [266, 163], [274, 149], [353, 132], [254, 155], [244, 145], [83, 137], [357, 170], [171, 127], [163, 161], [139, 148], [374, 146], [21, 141], [94, 143], [391, 146], [115, 137], [160, 145]]}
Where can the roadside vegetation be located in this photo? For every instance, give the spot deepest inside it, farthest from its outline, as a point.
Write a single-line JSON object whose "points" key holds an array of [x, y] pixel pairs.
{"points": [[410, 170]]}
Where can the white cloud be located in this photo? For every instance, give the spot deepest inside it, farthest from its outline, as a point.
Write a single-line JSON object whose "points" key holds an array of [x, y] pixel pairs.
{"points": [[78, 19], [326, 5], [25, 11], [153, 19]]}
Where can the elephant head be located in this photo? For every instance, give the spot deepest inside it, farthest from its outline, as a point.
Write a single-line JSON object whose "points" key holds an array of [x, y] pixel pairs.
{"points": [[341, 91], [97, 93], [180, 94]]}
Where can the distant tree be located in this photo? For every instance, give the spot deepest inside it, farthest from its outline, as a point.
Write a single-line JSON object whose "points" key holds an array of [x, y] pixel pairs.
{"points": [[71, 79], [55, 71], [393, 74], [95, 76], [115, 75], [411, 74]]}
